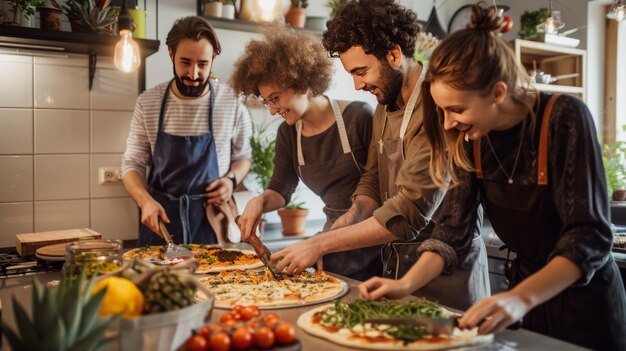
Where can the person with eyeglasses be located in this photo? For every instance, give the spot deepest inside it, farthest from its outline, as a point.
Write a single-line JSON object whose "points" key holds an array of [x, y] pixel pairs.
{"points": [[194, 136], [322, 142]]}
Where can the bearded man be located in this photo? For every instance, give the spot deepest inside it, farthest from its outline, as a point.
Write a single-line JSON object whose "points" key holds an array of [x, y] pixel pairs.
{"points": [[195, 137]]}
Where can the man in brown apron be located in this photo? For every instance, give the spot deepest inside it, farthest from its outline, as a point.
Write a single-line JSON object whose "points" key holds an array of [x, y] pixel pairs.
{"points": [[388, 206]]}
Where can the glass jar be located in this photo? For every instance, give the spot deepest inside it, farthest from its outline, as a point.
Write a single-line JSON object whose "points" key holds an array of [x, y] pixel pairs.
{"points": [[105, 256]]}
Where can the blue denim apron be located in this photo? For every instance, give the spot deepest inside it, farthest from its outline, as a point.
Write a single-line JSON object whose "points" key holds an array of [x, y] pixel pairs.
{"points": [[182, 167]]}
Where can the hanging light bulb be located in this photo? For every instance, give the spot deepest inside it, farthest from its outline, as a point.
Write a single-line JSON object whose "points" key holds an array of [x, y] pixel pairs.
{"points": [[618, 11], [552, 23], [126, 57]]}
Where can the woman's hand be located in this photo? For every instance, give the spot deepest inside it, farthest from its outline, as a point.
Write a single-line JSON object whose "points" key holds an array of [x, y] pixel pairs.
{"points": [[495, 313], [377, 288], [249, 219], [150, 213]]}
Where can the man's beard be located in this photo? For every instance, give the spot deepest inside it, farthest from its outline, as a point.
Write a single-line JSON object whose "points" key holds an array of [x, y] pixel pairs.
{"points": [[190, 91], [390, 84]]}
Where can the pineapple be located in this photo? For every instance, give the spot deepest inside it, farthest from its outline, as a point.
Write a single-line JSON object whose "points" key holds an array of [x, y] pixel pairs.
{"points": [[167, 291], [65, 318]]}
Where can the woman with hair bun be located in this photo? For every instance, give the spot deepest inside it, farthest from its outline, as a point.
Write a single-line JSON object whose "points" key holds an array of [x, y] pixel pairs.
{"points": [[322, 142], [532, 160]]}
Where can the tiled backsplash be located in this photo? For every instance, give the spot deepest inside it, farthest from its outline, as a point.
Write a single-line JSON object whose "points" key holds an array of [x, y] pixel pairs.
{"points": [[54, 136]]}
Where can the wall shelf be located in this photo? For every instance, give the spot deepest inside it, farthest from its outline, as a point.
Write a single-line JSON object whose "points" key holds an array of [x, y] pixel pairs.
{"points": [[248, 26]]}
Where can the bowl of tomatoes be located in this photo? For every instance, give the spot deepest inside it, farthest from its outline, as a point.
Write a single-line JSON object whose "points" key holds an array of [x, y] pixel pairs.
{"points": [[244, 328]]}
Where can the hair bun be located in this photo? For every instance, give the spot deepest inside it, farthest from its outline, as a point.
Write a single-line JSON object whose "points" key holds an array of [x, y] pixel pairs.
{"points": [[485, 19]]}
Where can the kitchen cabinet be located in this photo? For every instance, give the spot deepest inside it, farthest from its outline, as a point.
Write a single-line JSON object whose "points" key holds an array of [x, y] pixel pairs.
{"points": [[556, 61]]}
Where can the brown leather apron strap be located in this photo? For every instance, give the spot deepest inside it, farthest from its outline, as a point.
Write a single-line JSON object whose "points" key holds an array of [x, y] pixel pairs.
{"points": [[477, 159], [542, 171]]}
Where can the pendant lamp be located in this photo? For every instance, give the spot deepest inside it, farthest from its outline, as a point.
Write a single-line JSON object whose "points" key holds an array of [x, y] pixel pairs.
{"points": [[433, 25], [126, 57], [552, 23]]}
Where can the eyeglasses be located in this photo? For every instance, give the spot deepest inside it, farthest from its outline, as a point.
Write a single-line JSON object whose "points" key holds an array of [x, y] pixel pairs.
{"points": [[273, 102]]}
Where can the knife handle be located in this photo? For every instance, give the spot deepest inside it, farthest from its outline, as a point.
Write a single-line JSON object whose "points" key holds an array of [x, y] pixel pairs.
{"points": [[256, 243], [165, 232]]}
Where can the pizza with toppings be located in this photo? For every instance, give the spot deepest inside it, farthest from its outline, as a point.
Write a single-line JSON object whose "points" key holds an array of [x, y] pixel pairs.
{"points": [[260, 289], [345, 324], [212, 259]]}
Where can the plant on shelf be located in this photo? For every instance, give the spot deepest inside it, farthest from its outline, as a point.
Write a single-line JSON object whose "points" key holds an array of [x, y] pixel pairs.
{"points": [[22, 9], [334, 5], [424, 46], [296, 15], [614, 159], [293, 217], [263, 145], [300, 3], [50, 15], [91, 16], [529, 22]]}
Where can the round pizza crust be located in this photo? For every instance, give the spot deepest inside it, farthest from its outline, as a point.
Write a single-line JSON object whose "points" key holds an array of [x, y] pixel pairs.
{"points": [[469, 339]]}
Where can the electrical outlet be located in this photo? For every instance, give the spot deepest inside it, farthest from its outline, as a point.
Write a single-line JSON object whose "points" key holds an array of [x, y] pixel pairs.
{"points": [[109, 175]]}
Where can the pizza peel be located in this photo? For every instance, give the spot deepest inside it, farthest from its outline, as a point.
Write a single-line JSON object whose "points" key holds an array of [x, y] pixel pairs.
{"points": [[172, 251], [262, 251]]}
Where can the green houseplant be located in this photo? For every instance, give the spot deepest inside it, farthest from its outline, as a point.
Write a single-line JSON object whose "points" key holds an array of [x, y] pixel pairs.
{"points": [[91, 16], [296, 15], [22, 9], [529, 21], [293, 218], [614, 159], [263, 151], [334, 5]]}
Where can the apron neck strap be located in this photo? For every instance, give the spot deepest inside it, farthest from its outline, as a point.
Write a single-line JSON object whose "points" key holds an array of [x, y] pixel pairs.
{"points": [[164, 104], [343, 135]]}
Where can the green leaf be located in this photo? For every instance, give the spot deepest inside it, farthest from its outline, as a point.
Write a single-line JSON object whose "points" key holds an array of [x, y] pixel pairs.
{"points": [[11, 337], [54, 338], [90, 312], [25, 327]]}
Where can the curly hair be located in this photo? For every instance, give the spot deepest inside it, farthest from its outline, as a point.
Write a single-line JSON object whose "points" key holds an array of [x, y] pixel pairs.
{"points": [[375, 25], [284, 58]]}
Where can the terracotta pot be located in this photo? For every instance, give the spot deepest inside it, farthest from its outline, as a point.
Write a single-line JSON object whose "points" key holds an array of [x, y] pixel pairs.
{"points": [[213, 9], [293, 221], [619, 195], [296, 16], [50, 18]]}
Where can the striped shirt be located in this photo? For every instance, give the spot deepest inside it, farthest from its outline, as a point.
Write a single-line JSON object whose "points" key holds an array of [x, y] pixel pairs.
{"points": [[232, 127]]}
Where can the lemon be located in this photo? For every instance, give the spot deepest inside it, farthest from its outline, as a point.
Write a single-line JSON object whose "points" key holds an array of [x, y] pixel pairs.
{"points": [[122, 296]]}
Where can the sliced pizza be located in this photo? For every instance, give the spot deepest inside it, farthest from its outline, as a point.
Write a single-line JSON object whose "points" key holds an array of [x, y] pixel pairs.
{"points": [[259, 288], [212, 259], [345, 324]]}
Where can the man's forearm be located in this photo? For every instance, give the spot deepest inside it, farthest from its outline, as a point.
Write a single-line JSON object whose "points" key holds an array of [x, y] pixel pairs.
{"points": [[136, 187], [240, 168], [364, 206], [364, 234]]}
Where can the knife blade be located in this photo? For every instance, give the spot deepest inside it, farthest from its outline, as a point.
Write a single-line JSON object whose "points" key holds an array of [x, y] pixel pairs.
{"points": [[435, 326], [262, 251]]}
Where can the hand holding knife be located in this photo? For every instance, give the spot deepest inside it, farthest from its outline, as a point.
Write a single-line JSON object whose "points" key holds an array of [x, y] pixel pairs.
{"points": [[262, 251]]}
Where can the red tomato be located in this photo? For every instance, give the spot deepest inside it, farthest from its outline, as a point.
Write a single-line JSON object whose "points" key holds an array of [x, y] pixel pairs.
{"points": [[285, 334], [271, 319], [508, 24], [242, 339], [205, 332], [238, 308], [249, 312], [220, 342], [215, 327], [229, 323], [253, 324], [196, 343], [264, 337], [228, 316]]}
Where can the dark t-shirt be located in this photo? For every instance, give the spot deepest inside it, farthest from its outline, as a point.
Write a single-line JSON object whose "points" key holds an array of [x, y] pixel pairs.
{"points": [[319, 149]]}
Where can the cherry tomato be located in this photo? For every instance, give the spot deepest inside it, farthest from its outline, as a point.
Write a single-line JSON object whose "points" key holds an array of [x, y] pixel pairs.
{"points": [[220, 342], [508, 24], [196, 343], [285, 334], [242, 339], [215, 327], [228, 316], [205, 332], [229, 323], [264, 337], [249, 312], [253, 324], [255, 310], [271, 319], [238, 308]]}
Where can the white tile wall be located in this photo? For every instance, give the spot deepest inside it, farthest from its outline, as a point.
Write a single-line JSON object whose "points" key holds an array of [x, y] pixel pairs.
{"points": [[16, 131], [16, 84], [61, 131], [109, 130], [16, 178], [15, 218], [115, 218], [54, 136], [57, 215]]}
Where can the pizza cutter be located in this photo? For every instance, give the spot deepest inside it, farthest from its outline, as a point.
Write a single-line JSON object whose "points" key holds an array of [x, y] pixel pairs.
{"points": [[172, 250], [262, 251]]}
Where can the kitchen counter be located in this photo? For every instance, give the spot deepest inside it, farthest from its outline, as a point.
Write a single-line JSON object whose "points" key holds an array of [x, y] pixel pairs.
{"points": [[508, 340]]}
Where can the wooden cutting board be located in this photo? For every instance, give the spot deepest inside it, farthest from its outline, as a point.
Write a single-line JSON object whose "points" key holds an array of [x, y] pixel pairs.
{"points": [[54, 252], [27, 244]]}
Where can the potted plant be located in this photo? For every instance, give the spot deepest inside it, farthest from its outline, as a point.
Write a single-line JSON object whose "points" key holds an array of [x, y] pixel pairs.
{"points": [[334, 5], [293, 218], [263, 144], [50, 15], [213, 8], [529, 22], [91, 16], [22, 9], [228, 9], [297, 13], [614, 159]]}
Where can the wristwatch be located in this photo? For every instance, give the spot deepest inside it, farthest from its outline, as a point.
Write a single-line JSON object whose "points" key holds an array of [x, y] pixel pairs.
{"points": [[232, 177]]}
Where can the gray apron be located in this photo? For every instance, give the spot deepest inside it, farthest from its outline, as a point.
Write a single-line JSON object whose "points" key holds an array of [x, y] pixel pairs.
{"points": [[334, 181], [470, 281]]}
